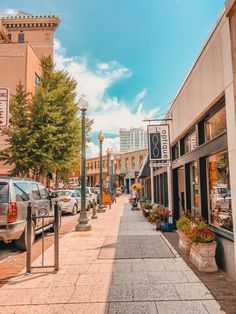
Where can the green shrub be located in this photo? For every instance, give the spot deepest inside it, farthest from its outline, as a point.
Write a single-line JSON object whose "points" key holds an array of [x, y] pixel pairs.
{"points": [[184, 225], [154, 215]]}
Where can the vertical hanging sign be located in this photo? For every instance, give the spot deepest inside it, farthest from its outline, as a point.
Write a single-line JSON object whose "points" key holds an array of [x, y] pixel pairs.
{"points": [[4, 107], [159, 145]]}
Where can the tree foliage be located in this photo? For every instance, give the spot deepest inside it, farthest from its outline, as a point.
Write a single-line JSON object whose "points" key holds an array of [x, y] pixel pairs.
{"points": [[18, 133], [45, 133]]}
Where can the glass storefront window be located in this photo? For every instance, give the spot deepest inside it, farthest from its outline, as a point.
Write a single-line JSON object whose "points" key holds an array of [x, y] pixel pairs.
{"points": [[215, 125], [175, 151], [190, 142], [194, 188], [219, 191]]}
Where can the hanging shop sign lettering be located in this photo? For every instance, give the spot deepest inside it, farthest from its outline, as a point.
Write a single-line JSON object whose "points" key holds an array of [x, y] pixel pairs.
{"points": [[159, 145], [4, 107]]}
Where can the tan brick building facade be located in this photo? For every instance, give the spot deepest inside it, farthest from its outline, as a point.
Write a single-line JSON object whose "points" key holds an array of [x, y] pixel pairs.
{"points": [[24, 40]]}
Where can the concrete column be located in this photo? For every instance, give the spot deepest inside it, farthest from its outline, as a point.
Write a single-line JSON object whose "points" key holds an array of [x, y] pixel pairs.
{"points": [[231, 132]]}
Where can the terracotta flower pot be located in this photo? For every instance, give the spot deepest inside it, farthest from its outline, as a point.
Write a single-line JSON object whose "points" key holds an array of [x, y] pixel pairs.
{"points": [[184, 242], [202, 255]]}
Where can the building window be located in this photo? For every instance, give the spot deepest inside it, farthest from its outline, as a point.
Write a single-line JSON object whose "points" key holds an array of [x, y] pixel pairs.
{"points": [[95, 165], [21, 38], [215, 125], [36, 79], [219, 191], [175, 151], [194, 187], [133, 162], [126, 163], [140, 160], [9, 36], [190, 142]]}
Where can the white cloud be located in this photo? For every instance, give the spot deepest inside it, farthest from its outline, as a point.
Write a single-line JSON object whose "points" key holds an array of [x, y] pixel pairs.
{"points": [[8, 11], [141, 95], [112, 143], [109, 114]]}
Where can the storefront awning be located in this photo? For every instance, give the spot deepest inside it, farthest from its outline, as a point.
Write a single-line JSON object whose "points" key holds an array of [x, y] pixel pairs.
{"points": [[145, 168]]}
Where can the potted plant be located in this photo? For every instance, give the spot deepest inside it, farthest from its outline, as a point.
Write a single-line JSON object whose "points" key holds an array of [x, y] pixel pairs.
{"points": [[147, 208], [154, 216], [184, 227], [203, 248]]}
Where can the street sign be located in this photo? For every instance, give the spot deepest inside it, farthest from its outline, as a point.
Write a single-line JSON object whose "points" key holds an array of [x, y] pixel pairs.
{"points": [[159, 144], [4, 107]]}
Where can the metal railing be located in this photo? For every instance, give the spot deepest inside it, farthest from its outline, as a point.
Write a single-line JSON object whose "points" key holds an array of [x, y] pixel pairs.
{"points": [[42, 216]]}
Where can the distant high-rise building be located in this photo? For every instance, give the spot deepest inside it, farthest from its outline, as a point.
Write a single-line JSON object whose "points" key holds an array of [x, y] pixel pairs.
{"points": [[133, 138]]}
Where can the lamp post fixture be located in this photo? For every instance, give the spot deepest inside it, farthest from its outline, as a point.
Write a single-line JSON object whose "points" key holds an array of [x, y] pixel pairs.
{"points": [[82, 224], [101, 208]]}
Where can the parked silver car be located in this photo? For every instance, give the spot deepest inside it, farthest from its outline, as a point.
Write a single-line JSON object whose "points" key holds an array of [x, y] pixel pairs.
{"points": [[90, 196], [68, 200], [15, 194]]}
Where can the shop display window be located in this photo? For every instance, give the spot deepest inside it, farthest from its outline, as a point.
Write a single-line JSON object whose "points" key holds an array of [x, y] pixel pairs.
{"points": [[194, 188], [219, 191], [215, 125], [190, 142]]}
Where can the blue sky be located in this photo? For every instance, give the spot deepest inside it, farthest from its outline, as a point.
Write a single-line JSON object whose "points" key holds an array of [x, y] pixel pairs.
{"points": [[129, 56]]}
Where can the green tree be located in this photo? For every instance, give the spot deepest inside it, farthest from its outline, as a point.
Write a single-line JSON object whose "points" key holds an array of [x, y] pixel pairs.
{"points": [[56, 128], [44, 135], [18, 133]]}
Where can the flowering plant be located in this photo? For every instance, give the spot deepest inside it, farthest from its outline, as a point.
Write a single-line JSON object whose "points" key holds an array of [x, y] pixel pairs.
{"points": [[202, 233], [164, 214]]}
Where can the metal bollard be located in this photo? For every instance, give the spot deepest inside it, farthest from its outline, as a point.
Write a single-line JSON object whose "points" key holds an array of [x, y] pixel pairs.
{"points": [[94, 216], [56, 236], [28, 239]]}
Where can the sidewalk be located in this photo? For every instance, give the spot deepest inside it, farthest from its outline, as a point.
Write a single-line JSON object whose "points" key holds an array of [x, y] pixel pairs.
{"points": [[122, 266]]}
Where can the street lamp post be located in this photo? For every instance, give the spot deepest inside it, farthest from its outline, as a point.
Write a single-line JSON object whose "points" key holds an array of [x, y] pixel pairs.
{"points": [[82, 224], [112, 171], [101, 208], [108, 166]]}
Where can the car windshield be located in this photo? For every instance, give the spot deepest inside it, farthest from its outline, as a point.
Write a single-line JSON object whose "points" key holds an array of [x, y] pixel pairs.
{"points": [[3, 192]]}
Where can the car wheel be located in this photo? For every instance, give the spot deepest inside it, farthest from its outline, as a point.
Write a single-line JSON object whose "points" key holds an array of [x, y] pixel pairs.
{"points": [[21, 243], [74, 209]]}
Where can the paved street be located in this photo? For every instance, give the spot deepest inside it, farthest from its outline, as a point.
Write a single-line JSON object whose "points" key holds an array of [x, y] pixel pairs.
{"points": [[122, 266]]}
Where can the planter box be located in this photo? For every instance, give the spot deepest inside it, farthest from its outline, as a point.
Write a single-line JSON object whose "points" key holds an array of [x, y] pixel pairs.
{"points": [[184, 243], [202, 255], [166, 227]]}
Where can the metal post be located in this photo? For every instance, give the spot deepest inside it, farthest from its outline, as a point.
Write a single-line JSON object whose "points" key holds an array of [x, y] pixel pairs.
{"points": [[28, 240], [108, 169], [94, 216], [152, 184], [56, 236], [83, 219], [101, 208]]}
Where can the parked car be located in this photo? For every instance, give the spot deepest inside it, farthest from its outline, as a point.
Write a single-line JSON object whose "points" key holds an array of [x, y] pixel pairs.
{"points": [[68, 200], [15, 194], [90, 196]]}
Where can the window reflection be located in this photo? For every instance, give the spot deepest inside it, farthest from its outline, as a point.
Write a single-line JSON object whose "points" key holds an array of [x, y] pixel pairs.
{"points": [[219, 191], [190, 142], [194, 186], [215, 125]]}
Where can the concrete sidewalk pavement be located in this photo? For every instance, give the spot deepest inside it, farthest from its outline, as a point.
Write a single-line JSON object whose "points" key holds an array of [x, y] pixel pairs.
{"points": [[121, 266]]}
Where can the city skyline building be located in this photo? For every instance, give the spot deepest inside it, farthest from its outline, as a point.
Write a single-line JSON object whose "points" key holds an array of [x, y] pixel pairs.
{"points": [[133, 138]]}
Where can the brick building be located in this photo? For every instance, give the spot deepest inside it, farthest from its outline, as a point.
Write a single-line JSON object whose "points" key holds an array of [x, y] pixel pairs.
{"points": [[24, 40]]}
